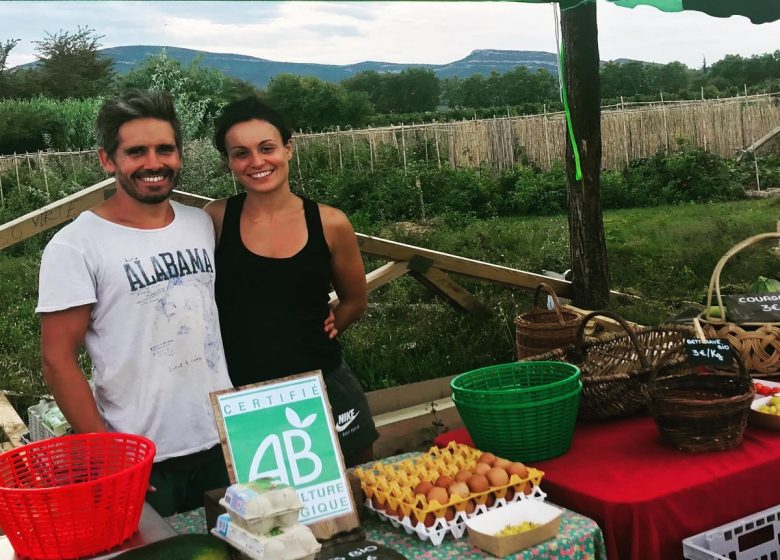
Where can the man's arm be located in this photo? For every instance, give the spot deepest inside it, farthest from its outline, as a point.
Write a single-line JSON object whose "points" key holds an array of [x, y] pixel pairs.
{"points": [[62, 336]]}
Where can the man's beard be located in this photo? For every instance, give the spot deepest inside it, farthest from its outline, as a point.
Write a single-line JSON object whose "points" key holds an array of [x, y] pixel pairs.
{"points": [[128, 184]]}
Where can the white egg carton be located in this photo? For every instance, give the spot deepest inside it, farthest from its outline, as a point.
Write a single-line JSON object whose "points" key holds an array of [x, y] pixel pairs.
{"points": [[456, 526]]}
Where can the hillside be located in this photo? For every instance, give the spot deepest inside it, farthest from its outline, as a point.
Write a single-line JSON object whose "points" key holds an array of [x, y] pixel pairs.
{"points": [[259, 71]]}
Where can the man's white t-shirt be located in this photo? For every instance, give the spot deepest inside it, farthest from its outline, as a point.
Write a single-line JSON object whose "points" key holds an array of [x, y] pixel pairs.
{"points": [[153, 336]]}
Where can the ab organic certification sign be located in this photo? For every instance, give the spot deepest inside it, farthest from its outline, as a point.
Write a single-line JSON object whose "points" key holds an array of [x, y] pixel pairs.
{"points": [[283, 430]]}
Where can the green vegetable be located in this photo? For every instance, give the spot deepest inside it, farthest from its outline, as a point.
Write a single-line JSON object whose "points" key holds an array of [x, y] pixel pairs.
{"points": [[181, 547], [715, 312], [765, 285]]}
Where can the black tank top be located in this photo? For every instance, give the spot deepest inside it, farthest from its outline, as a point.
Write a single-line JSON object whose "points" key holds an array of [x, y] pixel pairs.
{"points": [[272, 311]]}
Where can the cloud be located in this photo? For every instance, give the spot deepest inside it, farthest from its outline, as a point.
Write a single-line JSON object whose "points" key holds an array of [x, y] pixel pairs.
{"points": [[409, 32]]}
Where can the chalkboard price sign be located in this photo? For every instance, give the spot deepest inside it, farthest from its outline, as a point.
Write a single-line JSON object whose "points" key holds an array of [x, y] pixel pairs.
{"points": [[714, 352], [753, 308], [360, 550]]}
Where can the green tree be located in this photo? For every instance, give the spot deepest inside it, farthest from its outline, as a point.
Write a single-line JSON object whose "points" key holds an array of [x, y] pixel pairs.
{"points": [[310, 103], [369, 82], [412, 90], [5, 49], [71, 66]]}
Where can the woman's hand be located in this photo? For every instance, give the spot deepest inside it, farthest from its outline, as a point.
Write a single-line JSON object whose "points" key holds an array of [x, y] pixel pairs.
{"points": [[330, 325]]}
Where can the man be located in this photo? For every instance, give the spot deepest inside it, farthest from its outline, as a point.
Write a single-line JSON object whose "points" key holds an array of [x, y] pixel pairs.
{"points": [[133, 281]]}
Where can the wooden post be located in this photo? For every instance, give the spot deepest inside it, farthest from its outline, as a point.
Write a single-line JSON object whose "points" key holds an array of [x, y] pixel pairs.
{"points": [[354, 151], [338, 143], [403, 146], [235, 187], [298, 161], [755, 163], [420, 195], [2, 195], [43, 166], [666, 124], [623, 118], [425, 137], [438, 154], [547, 138], [16, 168], [330, 162]]}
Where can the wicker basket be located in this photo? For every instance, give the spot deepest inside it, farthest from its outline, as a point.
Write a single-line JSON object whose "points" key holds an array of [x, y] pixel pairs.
{"points": [[758, 344], [699, 411], [540, 330], [615, 367]]}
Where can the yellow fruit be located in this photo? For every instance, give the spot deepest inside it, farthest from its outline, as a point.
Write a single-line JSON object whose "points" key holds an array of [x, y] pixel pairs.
{"points": [[516, 529]]}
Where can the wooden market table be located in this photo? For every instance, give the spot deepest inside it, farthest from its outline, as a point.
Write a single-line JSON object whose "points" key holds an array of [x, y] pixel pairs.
{"points": [[647, 497]]}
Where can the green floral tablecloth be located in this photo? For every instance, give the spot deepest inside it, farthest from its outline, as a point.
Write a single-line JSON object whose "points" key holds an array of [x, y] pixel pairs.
{"points": [[579, 539]]}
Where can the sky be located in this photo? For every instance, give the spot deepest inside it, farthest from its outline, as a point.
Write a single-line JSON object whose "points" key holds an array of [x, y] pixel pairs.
{"points": [[401, 32]]}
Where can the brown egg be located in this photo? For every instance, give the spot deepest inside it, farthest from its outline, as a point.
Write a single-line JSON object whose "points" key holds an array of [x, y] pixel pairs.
{"points": [[378, 505], [478, 483], [449, 513], [497, 477], [444, 481], [463, 475], [481, 468], [510, 493], [395, 512], [439, 494], [423, 487], [429, 520], [518, 469], [470, 506], [490, 500], [502, 463], [460, 489], [488, 458]]}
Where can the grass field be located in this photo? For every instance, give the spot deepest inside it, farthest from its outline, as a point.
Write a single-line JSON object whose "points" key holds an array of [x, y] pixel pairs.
{"points": [[664, 255]]}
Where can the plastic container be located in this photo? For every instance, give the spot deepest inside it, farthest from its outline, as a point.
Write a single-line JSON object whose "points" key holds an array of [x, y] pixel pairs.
{"points": [[754, 537], [296, 542], [74, 496], [524, 411], [261, 505], [389, 492], [46, 421]]}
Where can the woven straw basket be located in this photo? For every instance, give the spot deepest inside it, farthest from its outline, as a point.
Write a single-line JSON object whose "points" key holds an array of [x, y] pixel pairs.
{"points": [[616, 366], [699, 410], [542, 330], [758, 344]]}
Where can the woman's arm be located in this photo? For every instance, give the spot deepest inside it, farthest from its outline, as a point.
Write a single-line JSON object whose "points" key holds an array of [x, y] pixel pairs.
{"points": [[216, 210], [349, 275]]}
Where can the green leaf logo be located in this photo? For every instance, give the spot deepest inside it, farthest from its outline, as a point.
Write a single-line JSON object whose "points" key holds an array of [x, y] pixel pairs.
{"points": [[296, 422]]}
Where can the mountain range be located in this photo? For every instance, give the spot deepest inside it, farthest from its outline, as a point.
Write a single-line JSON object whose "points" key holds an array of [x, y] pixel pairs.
{"points": [[259, 71]]}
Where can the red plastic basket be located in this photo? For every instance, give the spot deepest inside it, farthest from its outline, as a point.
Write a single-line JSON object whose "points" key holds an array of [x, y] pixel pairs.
{"points": [[74, 496]]}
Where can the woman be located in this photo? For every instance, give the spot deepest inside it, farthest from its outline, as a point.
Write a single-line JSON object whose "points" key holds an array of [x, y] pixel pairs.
{"points": [[277, 257]]}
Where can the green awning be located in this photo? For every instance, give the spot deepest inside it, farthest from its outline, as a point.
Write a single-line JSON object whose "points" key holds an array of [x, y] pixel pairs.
{"points": [[757, 11]]}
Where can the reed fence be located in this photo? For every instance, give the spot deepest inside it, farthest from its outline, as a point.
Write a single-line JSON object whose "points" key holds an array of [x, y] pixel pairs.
{"points": [[629, 131]]}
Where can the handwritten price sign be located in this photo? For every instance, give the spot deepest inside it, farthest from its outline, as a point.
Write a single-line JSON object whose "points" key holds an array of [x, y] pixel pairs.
{"points": [[714, 352], [753, 308]]}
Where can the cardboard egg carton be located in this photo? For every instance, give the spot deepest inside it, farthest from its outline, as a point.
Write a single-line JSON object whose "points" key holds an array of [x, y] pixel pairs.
{"points": [[389, 492]]}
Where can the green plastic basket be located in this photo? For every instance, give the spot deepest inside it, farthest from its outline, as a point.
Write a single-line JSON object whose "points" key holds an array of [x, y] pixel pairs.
{"points": [[518, 411], [515, 383]]}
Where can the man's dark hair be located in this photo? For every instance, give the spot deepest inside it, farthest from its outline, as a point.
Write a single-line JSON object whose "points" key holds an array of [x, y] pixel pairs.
{"points": [[247, 109], [135, 104]]}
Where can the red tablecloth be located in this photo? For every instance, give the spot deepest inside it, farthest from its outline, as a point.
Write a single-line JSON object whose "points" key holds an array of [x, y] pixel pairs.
{"points": [[646, 497]]}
